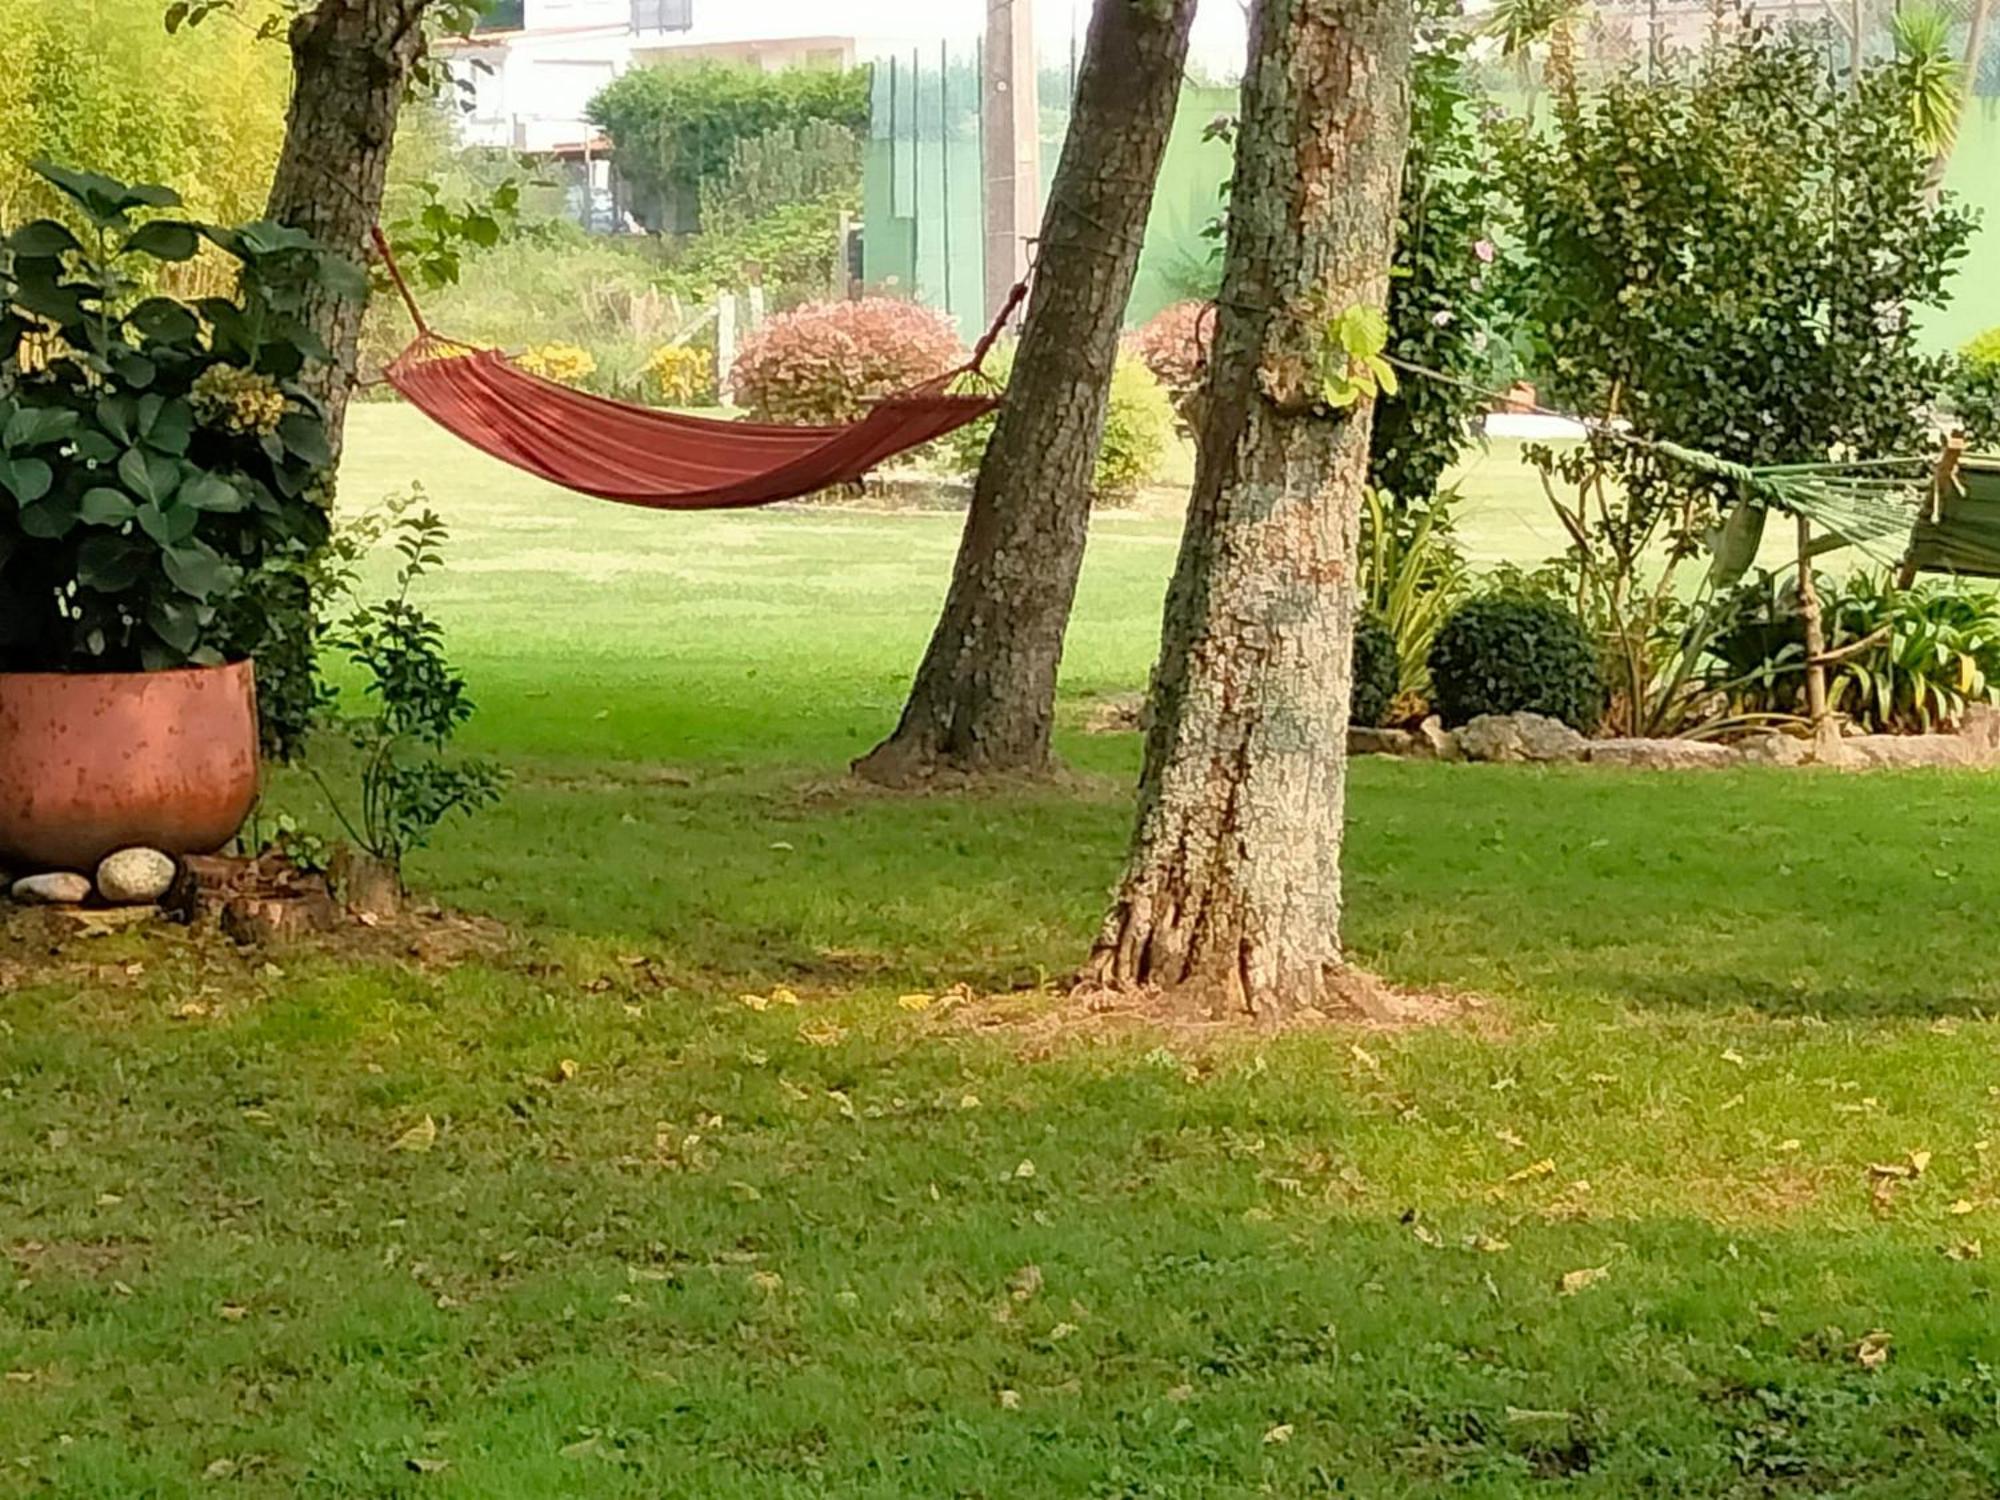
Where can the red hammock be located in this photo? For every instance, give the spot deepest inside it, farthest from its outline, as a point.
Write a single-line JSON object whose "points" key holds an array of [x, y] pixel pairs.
{"points": [[640, 456]]}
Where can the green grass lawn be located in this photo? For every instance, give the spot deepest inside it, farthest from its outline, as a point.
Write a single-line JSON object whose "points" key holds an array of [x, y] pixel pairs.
{"points": [[1733, 1085]]}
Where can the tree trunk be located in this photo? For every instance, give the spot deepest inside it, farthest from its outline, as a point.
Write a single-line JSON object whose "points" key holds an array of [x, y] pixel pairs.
{"points": [[1232, 890], [351, 60], [984, 694]]}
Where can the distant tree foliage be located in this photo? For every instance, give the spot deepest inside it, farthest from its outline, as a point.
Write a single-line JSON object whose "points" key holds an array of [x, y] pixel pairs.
{"points": [[105, 86], [1733, 256], [674, 129]]}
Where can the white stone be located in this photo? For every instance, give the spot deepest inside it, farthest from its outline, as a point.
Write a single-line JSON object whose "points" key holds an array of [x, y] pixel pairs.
{"points": [[56, 889], [133, 877], [1775, 749], [1660, 755], [1519, 737], [1366, 739]]}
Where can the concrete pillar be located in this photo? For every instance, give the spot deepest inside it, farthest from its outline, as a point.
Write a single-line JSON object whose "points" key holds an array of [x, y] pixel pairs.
{"points": [[1010, 145]]}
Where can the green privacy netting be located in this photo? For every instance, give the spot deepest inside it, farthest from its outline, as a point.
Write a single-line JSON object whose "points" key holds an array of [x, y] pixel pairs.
{"points": [[1965, 536]]}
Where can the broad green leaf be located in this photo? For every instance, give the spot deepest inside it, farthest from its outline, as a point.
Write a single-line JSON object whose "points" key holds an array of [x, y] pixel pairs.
{"points": [[103, 506], [305, 438], [26, 479], [43, 237], [169, 525], [110, 564], [171, 427], [34, 425], [163, 239], [204, 491], [177, 621], [115, 414], [197, 569], [51, 517], [148, 476]]}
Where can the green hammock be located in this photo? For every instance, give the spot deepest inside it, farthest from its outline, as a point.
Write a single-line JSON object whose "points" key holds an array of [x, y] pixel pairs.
{"points": [[1884, 507], [1964, 537]]}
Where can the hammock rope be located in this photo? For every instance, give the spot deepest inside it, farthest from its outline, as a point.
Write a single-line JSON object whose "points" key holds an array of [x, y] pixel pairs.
{"points": [[1855, 501], [640, 455]]}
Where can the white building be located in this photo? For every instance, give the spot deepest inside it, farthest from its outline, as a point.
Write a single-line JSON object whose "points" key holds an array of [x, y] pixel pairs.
{"points": [[533, 66]]}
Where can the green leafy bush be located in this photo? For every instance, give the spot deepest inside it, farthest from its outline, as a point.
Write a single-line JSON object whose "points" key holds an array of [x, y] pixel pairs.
{"points": [[825, 362], [1375, 671], [676, 128], [1138, 426], [161, 475], [1444, 296], [1938, 650], [1515, 652], [415, 700], [795, 247], [1974, 390], [1733, 253]]}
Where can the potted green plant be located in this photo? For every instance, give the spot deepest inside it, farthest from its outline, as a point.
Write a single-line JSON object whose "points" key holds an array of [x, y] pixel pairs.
{"points": [[162, 479]]}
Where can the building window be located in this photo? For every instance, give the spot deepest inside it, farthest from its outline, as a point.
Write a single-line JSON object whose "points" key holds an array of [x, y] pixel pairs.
{"points": [[502, 15], [662, 15]]}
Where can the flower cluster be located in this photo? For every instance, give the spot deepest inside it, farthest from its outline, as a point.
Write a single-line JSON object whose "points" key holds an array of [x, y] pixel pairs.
{"points": [[680, 376], [237, 400], [565, 364]]}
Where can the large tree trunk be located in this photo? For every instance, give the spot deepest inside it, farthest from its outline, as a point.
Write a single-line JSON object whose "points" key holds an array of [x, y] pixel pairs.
{"points": [[984, 694], [351, 60], [1232, 891]]}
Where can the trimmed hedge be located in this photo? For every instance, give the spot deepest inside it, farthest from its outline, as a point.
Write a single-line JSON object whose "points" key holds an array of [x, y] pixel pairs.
{"points": [[1516, 653], [1375, 671]]}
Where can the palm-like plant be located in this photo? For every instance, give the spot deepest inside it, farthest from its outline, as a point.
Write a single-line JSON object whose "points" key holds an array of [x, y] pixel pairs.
{"points": [[1519, 24], [1933, 75]]}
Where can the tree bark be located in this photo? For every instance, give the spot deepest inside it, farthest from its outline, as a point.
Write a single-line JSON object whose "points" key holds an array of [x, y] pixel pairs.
{"points": [[984, 695], [351, 61], [1232, 890]]}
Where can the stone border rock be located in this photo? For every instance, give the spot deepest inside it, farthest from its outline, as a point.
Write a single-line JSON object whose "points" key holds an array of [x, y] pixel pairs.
{"points": [[1534, 739]]}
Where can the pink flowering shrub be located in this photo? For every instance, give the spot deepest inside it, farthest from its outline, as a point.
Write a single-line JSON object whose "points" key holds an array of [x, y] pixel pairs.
{"points": [[826, 361], [1173, 344]]}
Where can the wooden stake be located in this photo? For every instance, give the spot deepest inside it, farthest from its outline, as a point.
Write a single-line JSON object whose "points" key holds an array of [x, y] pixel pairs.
{"points": [[1815, 635]]}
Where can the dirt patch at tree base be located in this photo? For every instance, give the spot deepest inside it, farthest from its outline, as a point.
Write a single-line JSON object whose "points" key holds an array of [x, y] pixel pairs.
{"points": [[1045, 1019], [255, 915]]}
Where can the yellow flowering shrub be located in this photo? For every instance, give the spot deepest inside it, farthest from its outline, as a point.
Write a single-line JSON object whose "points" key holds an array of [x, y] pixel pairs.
{"points": [[680, 376], [565, 364]]}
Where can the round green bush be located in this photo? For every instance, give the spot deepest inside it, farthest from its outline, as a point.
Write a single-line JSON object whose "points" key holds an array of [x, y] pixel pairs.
{"points": [[1138, 425], [1375, 671], [1516, 653]]}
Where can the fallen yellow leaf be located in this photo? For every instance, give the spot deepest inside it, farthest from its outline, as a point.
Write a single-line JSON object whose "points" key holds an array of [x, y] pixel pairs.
{"points": [[1873, 1351], [1282, 1433], [914, 1002], [419, 1137], [1546, 1167], [1575, 1281]]}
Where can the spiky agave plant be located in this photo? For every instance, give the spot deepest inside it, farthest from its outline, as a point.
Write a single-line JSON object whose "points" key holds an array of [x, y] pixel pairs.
{"points": [[1932, 74]]}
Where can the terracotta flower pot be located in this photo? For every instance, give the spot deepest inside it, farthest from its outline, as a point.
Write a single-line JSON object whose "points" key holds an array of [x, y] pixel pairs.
{"points": [[96, 761]]}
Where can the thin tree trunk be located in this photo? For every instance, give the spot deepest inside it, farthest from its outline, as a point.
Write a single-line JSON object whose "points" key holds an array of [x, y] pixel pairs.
{"points": [[1232, 891], [984, 695], [351, 61]]}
